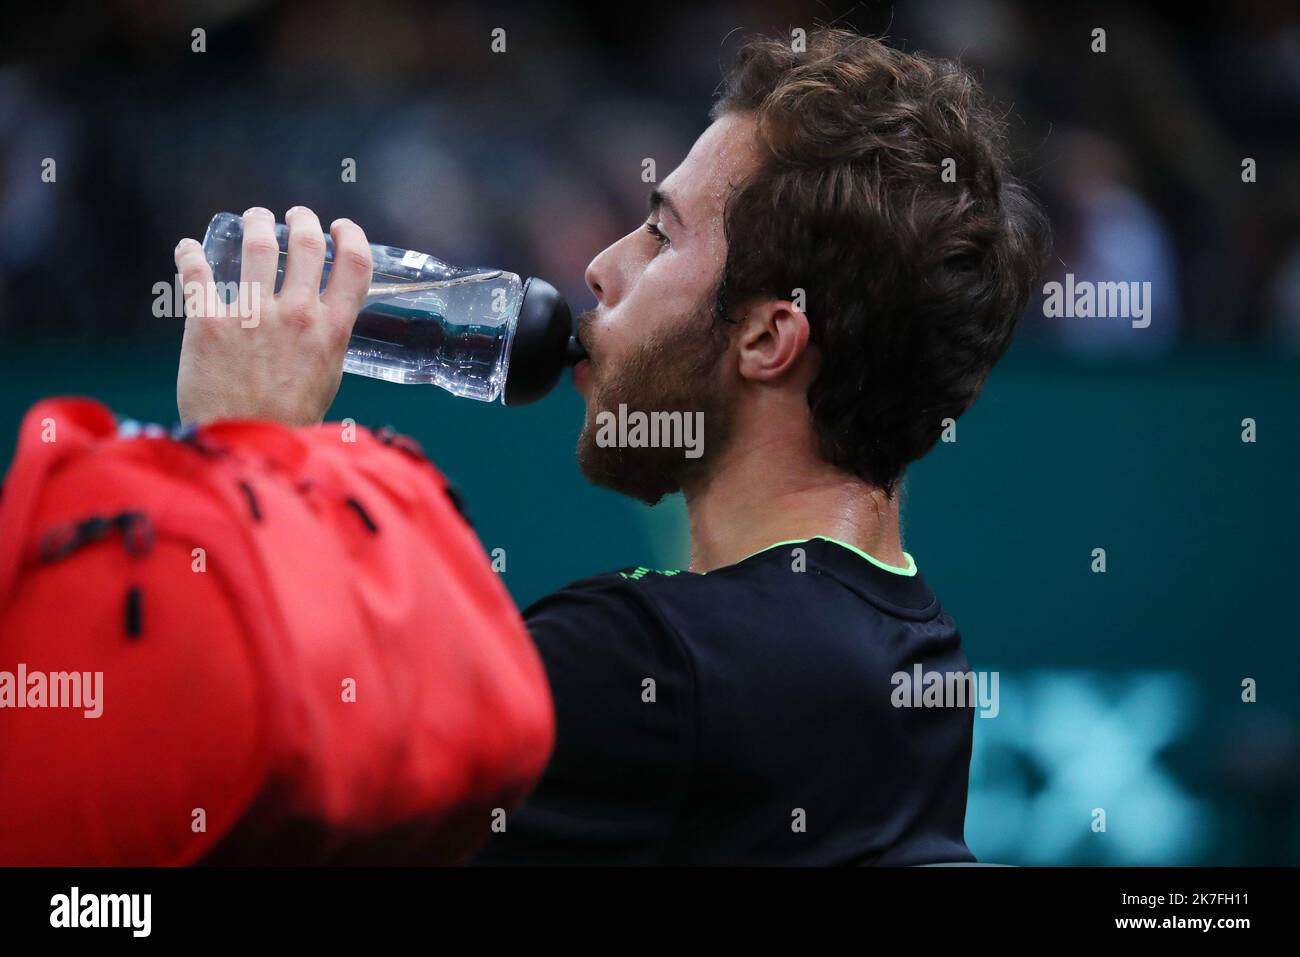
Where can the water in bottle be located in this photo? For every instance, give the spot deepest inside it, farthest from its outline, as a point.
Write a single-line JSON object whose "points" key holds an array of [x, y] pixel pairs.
{"points": [[478, 333]]}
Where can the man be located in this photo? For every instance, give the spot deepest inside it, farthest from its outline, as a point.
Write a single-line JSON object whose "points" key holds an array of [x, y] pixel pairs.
{"points": [[828, 277]]}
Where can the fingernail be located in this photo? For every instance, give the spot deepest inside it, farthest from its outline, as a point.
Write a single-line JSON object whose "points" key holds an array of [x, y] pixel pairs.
{"points": [[340, 221], [184, 241], [256, 210], [291, 210]]}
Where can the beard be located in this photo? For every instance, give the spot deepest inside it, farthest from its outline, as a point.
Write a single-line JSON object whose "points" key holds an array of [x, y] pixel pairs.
{"points": [[678, 371]]}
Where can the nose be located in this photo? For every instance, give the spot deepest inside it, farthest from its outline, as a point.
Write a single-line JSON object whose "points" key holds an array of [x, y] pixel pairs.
{"points": [[604, 276], [592, 277]]}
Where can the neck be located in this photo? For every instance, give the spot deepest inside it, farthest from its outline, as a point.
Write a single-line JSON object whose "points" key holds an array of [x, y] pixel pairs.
{"points": [[777, 489]]}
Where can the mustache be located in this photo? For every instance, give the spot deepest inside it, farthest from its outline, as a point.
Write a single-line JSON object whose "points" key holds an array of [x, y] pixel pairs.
{"points": [[586, 320]]}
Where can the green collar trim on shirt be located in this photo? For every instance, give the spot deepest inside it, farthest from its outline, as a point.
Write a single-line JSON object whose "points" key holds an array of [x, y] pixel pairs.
{"points": [[909, 571], [641, 571]]}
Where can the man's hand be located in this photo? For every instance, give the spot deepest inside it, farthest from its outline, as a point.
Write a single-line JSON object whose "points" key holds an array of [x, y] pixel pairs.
{"points": [[285, 362]]}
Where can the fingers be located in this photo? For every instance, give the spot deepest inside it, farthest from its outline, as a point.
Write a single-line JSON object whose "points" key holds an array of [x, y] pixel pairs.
{"points": [[260, 251], [191, 263], [351, 273], [196, 277], [306, 262]]}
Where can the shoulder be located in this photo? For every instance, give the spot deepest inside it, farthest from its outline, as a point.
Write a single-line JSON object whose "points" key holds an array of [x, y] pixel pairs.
{"points": [[608, 650], [626, 719], [611, 603], [638, 609]]}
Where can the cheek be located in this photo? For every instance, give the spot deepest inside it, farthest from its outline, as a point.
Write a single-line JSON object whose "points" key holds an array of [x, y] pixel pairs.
{"points": [[669, 289], [672, 286]]}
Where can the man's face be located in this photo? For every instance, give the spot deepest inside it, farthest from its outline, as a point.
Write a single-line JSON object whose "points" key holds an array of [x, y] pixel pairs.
{"points": [[652, 340]]}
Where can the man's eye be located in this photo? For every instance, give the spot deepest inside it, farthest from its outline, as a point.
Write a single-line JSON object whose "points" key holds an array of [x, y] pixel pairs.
{"points": [[654, 230]]}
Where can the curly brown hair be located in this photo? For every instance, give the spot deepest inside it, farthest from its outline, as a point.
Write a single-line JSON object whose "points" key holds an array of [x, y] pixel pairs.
{"points": [[913, 285]]}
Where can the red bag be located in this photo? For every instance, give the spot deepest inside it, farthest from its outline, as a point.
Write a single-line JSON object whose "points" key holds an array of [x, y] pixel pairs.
{"points": [[305, 654]]}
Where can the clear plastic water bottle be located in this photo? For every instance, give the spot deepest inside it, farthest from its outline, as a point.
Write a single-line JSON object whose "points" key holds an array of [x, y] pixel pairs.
{"points": [[478, 333]]}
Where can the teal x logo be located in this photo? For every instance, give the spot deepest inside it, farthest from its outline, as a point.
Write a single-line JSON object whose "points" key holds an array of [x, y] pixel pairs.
{"points": [[1071, 746]]}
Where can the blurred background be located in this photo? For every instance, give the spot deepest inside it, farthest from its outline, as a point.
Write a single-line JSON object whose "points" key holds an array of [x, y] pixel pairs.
{"points": [[1119, 690]]}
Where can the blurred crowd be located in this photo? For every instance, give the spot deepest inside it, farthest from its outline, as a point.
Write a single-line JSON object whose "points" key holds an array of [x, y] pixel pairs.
{"points": [[531, 158]]}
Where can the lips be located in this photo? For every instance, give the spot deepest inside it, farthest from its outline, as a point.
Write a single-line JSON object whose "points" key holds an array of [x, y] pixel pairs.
{"points": [[582, 375]]}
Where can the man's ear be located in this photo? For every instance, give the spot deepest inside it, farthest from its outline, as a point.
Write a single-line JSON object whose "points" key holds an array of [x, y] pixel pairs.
{"points": [[772, 339]]}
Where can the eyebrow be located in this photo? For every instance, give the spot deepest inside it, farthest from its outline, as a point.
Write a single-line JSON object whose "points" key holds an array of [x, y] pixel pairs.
{"points": [[659, 199]]}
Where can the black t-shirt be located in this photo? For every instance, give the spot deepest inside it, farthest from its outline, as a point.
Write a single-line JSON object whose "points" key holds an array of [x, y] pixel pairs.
{"points": [[744, 716]]}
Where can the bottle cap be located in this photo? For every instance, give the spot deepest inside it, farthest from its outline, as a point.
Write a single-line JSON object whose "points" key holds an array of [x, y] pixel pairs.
{"points": [[541, 348]]}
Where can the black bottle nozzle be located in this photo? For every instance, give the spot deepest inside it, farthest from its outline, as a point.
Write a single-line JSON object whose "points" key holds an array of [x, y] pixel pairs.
{"points": [[544, 344], [575, 353]]}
